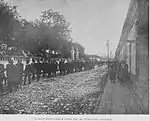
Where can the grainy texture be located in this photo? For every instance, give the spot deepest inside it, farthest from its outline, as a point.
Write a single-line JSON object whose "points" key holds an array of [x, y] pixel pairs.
{"points": [[118, 99], [70, 94]]}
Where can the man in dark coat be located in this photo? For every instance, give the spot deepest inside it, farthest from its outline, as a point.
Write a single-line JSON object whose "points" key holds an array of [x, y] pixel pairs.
{"points": [[19, 66], [49, 68], [54, 67], [38, 69], [33, 69], [11, 75], [125, 73], [27, 73], [112, 73], [44, 66], [2, 76], [61, 67]]}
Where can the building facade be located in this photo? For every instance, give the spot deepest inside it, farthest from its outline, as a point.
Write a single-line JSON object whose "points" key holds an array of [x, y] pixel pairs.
{"points": [[133, 46]]}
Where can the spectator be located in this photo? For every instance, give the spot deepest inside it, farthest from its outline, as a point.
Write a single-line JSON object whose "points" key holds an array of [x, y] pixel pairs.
{"points": [[10, 70], [2, 76], [19, 72]]}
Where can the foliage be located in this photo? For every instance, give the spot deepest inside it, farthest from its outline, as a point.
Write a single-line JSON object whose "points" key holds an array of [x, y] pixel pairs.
{"points": [[8, 16], [51, 31]]}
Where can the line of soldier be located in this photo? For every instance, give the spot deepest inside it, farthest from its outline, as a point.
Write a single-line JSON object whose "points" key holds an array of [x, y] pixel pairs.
{"points": [[16, 74]]}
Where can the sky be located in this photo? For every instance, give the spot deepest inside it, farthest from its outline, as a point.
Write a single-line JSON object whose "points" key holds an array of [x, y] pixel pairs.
{"points": [[93, 21]]}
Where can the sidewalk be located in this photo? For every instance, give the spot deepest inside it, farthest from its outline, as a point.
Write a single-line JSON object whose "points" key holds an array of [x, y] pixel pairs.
{"points": [[118, 100]]}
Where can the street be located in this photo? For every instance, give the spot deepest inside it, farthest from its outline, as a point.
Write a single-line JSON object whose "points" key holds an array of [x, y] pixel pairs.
{"points": [[74, 57], [75, 93]]}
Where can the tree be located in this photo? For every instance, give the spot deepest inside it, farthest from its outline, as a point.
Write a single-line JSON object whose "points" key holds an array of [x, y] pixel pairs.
{"points": [[8, 15], [51, 31], [54, 31]]}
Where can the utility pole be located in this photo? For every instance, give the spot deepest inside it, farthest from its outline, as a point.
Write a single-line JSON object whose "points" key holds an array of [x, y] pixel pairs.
{"points": [[111, 56], [108, 51], [72, 53]]}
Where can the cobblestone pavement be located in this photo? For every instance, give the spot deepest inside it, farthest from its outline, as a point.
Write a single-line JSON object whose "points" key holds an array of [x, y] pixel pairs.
{"points": [[75, 93], [118, 99]]}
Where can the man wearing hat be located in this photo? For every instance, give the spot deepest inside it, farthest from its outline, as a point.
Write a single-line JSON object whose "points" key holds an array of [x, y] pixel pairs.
{"points": [[10, 72]]}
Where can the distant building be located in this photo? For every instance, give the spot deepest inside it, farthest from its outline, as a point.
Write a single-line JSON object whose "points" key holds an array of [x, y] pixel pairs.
{"points": [[95, 57]]}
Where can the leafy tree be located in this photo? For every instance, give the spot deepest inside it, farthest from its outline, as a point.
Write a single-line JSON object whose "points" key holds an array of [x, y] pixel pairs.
{"points": [[8, 15], [54, 31], [51, 31]]}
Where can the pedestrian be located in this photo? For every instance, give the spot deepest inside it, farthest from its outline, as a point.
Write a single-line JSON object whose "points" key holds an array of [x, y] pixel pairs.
{"points": [[125, 73], [44, 64], [27, 72], [2, 77], [38, 69], [33, 69], [122, 71], [118, 70], [10, 72], [112, 73], [19, 72]]}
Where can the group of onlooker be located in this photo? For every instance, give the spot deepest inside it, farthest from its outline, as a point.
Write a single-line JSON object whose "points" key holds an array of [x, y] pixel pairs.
{"points": [[119, 71], [18, 74], [13, 77]]}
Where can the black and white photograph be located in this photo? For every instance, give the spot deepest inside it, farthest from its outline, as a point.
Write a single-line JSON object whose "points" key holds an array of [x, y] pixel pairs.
{"points": [[74, 57]]}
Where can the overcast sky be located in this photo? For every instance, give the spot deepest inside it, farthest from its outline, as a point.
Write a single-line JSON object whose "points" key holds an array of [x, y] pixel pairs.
{"points": [[93, 21]]}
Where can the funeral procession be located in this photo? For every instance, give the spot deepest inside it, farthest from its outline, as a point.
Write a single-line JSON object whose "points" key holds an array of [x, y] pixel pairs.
{"points": [[74, 57]]}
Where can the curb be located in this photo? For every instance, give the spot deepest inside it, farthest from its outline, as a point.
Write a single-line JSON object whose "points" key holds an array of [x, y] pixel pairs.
{"points": [[102, 87]]}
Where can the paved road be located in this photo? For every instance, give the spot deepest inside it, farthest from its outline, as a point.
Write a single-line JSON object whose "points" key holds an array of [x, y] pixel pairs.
{"points": [[70, 94]]}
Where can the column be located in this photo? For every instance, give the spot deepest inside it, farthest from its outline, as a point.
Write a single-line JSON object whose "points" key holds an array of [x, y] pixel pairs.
{"points": [[77, 54]]}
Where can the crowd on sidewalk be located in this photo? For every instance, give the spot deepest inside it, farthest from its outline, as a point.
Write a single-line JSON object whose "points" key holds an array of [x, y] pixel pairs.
{"points": [[118, 97], [119, 71]]}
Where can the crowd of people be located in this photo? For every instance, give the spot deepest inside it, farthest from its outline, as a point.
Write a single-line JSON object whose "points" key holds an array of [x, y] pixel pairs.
{"points": [[119, 71], [18, 74]]}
